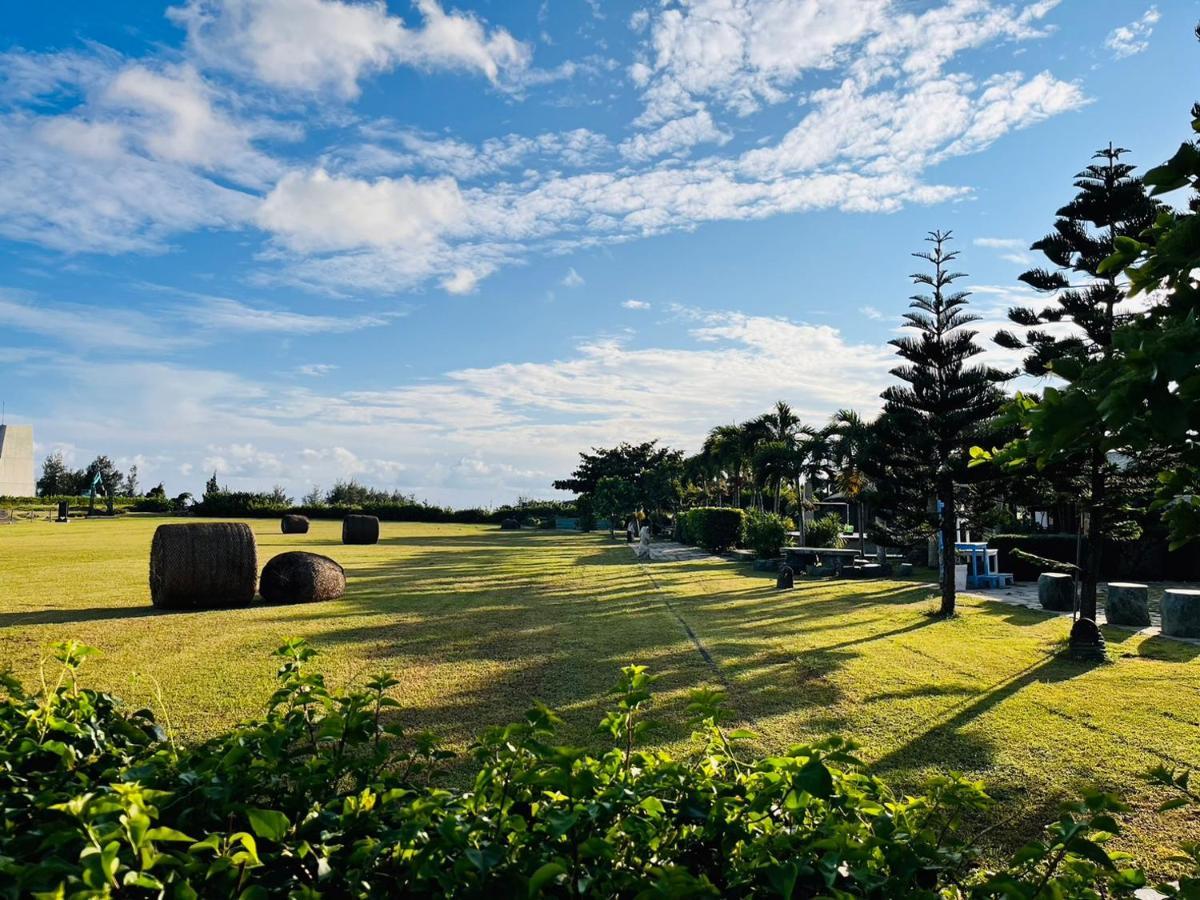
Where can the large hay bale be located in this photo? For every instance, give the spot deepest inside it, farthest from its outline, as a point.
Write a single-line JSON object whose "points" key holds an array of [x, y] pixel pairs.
{"points": [[299, 577], [293, 524], [203, 565], [360, 530]]}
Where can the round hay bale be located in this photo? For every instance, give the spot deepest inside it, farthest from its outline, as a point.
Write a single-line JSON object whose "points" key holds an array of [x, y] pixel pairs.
{"points": [[299, 577], [203, 565], [360, 530], [510, 525], [293, 524]]}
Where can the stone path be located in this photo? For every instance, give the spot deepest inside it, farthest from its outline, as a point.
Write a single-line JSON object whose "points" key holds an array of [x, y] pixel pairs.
{"points": [[670, 551], [1026, 594]]}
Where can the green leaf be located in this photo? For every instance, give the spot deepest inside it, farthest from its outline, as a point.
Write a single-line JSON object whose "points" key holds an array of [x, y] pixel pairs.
{"points": [[167, 834], [268, 823], [544, 876]]}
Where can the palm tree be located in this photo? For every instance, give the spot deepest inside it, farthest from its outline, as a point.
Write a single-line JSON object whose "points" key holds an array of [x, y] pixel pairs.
{"points": [[724, 447], [850, 435]]}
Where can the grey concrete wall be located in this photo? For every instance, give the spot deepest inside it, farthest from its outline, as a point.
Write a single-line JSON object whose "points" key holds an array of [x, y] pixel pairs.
{"points": [[16, 461]]}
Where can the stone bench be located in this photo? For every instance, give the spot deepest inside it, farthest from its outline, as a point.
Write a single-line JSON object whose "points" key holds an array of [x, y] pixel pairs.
{"points": [[1127, 603], [1181, 613], [1056, 591]]}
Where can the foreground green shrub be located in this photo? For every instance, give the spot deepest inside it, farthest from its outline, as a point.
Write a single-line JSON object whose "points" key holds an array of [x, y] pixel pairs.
{"points": [[826, 531], [714, 528], [765, 533], [328, 796]]}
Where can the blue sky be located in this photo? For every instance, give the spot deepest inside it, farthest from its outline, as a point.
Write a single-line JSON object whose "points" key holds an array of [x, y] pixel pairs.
{"points": [[443, 246]]}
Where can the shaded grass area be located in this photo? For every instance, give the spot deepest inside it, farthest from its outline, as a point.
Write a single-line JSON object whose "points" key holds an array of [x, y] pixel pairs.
{"points": [[476, 623]]}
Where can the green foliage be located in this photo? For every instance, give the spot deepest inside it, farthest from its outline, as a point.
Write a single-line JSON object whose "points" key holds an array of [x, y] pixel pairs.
{"points": [[614, 498], [714, 528], [328, 795], [765, 533], [826, 531], [1143, 396]]}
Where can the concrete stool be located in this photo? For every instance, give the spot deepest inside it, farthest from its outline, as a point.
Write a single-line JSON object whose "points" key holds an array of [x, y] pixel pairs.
{"points": [[1127, 604], [905, 570], [871, 570], [1056, 591], [1181, 613]]}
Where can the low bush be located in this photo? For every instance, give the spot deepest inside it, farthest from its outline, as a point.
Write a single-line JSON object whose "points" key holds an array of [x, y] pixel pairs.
{"points": [[714, 528], [328, 796], [765, 533], [827, 531]]}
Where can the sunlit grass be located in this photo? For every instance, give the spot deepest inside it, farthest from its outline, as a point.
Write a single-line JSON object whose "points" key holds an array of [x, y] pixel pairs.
{"points": [[476, 623]]}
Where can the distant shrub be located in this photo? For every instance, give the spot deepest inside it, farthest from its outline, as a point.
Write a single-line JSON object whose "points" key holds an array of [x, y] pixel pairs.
{"points": [[715, 528], [826, 531], [240, 503], [765, 533], [327, 795]]}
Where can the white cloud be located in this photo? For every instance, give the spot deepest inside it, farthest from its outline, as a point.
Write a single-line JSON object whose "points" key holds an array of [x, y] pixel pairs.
{"points": [[471, 435], [1013, 250], [871, 312], [315, 211], [461, 281], [1001, 243], [316, 370], [178, 121], [676, 135], [1134, 38], [82, 190], [226, 315], [329, 46], [635, 304], [572, 279], [392, 148], [79, 325]]}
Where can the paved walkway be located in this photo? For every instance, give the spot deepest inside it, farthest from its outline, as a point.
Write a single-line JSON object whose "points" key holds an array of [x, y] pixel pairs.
{"points": [[670, 551], [1026, 594]]}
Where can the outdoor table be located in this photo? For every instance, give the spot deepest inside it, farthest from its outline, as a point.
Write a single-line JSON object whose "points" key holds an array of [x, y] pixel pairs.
{"points": [[803, 555]]}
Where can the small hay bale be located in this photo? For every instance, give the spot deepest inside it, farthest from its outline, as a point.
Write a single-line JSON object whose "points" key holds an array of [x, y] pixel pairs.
{"points": [[510, 525], [293, 524], [299, 577], [203, 565], [360, 530]]}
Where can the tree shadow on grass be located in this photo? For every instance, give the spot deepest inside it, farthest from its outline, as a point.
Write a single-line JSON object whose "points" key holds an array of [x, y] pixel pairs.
{"points": [[71, 615], [946, 743]]}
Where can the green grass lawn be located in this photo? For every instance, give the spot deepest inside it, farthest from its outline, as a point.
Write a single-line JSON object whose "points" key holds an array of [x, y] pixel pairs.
{"points": [[476, 623]]}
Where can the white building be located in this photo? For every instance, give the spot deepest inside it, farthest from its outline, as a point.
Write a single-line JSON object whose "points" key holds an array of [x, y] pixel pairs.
{"points": [[16, 461]]}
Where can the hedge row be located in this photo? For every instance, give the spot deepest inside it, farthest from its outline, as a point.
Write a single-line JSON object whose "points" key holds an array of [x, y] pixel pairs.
{"points": [[1147, 559], [249, 505]]}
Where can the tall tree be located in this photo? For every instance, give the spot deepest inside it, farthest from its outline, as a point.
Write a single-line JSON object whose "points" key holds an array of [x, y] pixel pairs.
{"points": [[1143, 397], [54, 478], [940, 392], [130, 487], [1111, 204]]}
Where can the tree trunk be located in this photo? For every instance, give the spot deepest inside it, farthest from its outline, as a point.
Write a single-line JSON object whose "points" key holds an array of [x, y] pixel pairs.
{"points": [[1094, 556], [949, 533]]}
